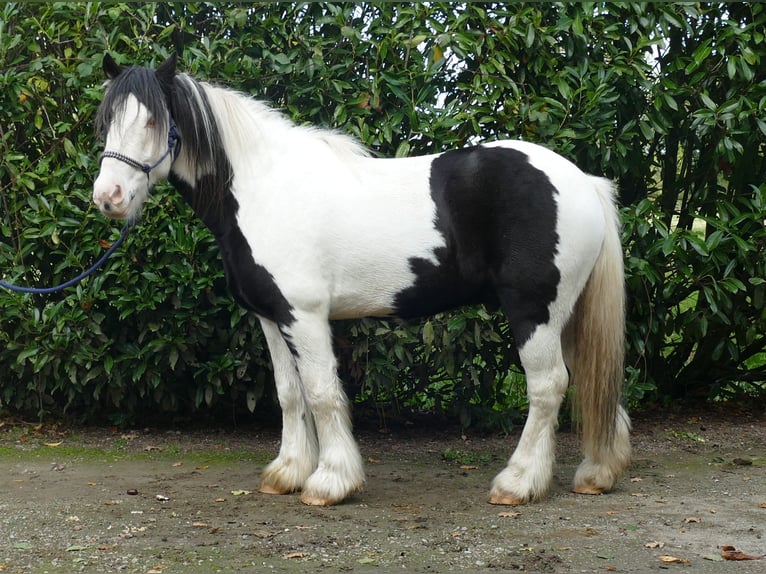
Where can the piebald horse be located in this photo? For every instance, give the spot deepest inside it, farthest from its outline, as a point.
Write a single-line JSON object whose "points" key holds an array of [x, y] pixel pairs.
{"points": [[311, 228]]}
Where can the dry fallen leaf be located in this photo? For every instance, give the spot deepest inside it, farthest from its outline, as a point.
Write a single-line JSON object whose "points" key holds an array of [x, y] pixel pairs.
{"points": [[692, 520], [508, 514], [762, 505], [636, 479], [54, 443], [199, 524], [177, 464], [731, 553], [373, 460], [654, 544], [673, 560], [468, 467], [291, 555], [240, 492]]}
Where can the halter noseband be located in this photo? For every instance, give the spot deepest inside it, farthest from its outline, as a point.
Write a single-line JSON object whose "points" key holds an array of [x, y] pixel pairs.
{"points": [[174, 148]]}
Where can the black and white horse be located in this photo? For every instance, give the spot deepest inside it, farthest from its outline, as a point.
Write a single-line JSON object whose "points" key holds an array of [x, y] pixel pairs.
{"points": [[311, 228]]}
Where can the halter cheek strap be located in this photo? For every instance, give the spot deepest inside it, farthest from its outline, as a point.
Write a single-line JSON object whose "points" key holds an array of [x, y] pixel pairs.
{"points": [[174, 149]]}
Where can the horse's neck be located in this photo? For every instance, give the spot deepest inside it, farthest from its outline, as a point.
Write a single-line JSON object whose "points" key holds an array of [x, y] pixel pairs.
{"points": [[256, 140]]}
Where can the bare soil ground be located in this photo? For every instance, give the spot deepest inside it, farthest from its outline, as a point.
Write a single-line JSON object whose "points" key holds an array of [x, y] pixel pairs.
{"points": [[166, 502]]}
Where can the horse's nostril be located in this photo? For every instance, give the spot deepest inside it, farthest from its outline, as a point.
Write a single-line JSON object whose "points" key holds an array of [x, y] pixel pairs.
{"points": [[117, 193]]}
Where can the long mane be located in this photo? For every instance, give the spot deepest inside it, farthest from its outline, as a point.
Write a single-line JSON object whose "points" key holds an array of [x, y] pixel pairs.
{"points": [[193, 114], [244, 120], [213, 123]]}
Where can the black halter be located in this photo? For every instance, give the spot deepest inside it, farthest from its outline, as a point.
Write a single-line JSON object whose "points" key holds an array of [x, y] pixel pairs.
{"points": [[174, 148]]}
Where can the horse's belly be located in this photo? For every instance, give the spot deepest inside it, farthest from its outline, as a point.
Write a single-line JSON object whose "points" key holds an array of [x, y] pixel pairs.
{"points": [[369, 290]]}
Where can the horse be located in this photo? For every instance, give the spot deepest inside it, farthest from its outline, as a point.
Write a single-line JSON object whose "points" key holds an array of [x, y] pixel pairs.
{"points": [[312, 227]]}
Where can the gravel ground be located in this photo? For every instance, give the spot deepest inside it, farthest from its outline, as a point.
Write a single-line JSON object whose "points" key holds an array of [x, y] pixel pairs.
{"points": [[164, 502]]}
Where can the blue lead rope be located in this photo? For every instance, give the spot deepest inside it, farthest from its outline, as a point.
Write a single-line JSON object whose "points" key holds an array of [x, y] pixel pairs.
{"points": [[45, 290]]}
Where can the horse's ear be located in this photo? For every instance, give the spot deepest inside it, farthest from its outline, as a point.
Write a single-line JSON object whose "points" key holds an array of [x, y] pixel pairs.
{"points": [[111, 68], [167, 69]]}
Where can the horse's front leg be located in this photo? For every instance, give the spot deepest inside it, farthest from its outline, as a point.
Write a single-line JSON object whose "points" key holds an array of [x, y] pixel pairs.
{"points": [[298, 452], [339, 472]]}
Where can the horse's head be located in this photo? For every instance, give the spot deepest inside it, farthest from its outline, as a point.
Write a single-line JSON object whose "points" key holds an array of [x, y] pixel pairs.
{"points": [[141, 141]]}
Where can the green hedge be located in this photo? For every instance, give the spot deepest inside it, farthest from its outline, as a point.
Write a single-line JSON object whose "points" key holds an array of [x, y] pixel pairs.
{"points": [[668, 99]]}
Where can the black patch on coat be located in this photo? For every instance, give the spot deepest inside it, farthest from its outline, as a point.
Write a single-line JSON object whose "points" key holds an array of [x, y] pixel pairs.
{"points": [[497, 214], [251, 285]]}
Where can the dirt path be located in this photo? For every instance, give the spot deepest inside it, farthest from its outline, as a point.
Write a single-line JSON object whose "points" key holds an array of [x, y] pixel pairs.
{"points": [[67, 504]]}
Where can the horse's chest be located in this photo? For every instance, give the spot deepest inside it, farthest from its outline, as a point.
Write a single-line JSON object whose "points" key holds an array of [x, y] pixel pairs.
{"points": [[250, 283]]}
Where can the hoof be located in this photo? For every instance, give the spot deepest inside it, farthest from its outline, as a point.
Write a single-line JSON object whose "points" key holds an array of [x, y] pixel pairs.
{"points": [[267, 488], [504, 499], [588, 489], [309, 500]]}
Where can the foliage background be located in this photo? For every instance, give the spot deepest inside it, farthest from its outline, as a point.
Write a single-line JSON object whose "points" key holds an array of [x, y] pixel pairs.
{"points": [[667, 99]]}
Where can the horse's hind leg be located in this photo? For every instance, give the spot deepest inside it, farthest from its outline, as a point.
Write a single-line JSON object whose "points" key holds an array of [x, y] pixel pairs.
{"points": [[529, 471], [298, 453]]}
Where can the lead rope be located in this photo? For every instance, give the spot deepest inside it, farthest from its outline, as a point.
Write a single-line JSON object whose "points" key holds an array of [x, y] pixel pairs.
{"points": [[174, 149], [101, 260]]}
